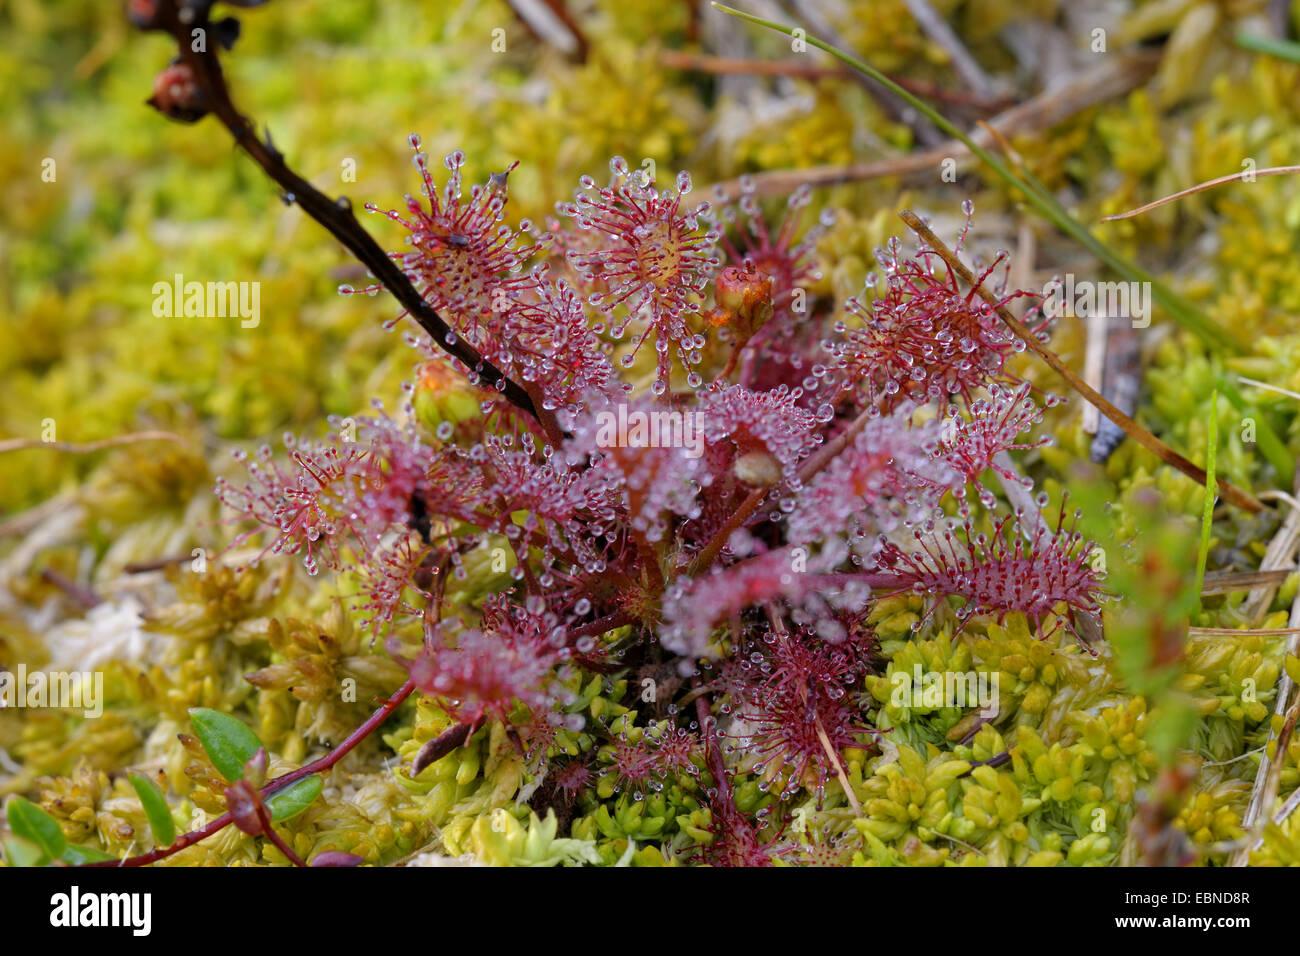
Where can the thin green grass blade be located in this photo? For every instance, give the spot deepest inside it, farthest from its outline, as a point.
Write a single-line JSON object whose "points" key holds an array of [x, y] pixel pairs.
{"points": [[1269, 442], [1282, 49]]}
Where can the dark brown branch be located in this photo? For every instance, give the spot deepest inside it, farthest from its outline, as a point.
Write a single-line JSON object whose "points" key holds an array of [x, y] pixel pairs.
{"points": [[335, 215]]}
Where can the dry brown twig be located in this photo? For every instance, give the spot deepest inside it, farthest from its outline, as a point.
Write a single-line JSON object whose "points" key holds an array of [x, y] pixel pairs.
{"points": [[1246, 175], [748, 66], [1225, 582], [88, 447], [1115, 77]]}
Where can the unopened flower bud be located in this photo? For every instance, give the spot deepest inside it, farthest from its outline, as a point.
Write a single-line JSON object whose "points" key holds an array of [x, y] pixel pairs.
{"points": [[336, 858], [177, 94], [744, 301], [243, 802]]}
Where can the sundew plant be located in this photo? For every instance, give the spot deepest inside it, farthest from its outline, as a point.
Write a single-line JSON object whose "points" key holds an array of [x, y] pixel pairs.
{"points": [[606, 434]]}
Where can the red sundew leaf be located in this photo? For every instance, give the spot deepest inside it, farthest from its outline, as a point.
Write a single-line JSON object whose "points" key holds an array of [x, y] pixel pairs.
{"points": [[656, 756], [1004, 572], [483, 672], [971, 446], [655, 260], [387, 576], [333, 493], [646, 483], [549, 342], [693, 607], [792, 694], [923, 338], [887, 478], [466, 263]]}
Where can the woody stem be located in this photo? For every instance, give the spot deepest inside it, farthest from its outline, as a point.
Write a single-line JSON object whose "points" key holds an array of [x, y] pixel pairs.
{"points": [[335, 215]]}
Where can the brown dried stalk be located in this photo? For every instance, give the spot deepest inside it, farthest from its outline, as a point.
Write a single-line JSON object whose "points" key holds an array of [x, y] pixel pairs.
{"points": [[1225, 582], [746, 66], [1117, 76], [1246, 175], [1230, 492], [1263, 793], [86, 447]]}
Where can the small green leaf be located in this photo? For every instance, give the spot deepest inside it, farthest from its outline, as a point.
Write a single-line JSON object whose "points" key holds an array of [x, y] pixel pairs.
{"points": [[78, 855], [156, 809], [294, 799], [30, 822], [228, 741], [20, 852]]}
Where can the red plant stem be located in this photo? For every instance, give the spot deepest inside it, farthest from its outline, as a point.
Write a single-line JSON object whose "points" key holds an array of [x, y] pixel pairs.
{"points": [[598, 626], [268, 831], [349, 743], [279, 783], [717, 767], [602, 624], [335, 215], [182, 842]]}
